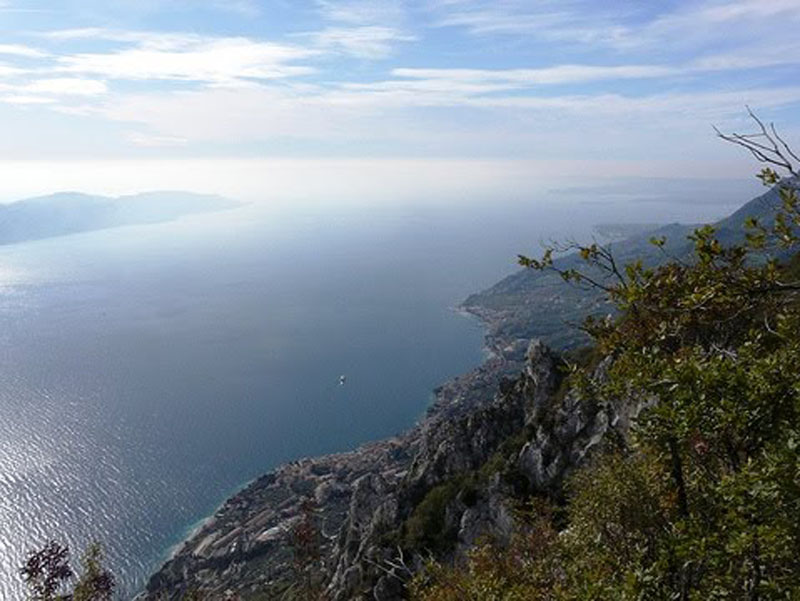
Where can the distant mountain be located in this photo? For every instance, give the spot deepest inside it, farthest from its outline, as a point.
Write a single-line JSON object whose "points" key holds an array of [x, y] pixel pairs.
{"points": [[611, 232], [72, 212], [529, 304]]}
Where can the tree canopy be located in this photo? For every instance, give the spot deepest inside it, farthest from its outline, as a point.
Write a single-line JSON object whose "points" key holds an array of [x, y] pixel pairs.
{"points": [[702, 501]]}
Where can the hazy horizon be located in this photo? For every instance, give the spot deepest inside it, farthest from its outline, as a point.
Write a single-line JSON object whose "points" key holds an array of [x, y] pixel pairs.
{"points": [[293, 185]]}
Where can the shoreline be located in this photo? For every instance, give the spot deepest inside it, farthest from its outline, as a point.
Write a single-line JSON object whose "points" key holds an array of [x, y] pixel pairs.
{"points": [[488, 352]]}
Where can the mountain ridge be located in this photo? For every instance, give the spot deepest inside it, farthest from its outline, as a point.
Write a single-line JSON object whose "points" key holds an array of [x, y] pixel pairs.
{"points": [[66, 213], [560, 306]]}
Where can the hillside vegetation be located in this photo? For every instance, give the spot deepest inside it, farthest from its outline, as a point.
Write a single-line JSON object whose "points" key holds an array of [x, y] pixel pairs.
{"points": [[699, 498]]}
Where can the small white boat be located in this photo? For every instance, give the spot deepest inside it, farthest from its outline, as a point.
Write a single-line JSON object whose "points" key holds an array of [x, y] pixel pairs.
{"points": [[342, 380]]}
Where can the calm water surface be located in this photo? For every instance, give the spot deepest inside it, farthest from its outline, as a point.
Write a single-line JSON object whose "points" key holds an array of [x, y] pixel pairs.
{"points": [[148, 372]]}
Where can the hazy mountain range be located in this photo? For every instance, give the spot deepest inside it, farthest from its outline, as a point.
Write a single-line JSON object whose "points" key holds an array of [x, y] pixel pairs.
{"points": [[540, 304], [72, 212]]}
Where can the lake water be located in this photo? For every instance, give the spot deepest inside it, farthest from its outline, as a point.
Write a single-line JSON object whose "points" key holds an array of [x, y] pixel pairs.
{"points": [[148, 372]]}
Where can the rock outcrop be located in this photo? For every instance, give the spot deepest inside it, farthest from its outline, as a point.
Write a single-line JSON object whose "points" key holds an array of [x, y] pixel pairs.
{"points": [[493, 437], [246, 546]]}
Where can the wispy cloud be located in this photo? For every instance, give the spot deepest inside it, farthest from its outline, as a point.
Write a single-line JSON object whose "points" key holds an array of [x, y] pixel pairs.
{"points": [[10, 71], [20, 50], [154, 141], [367, 29], [559, 74], [156, 40], [493, 80], [447, 76], [66, 86], [712, 22], [362, 113], [369, 41], [616, 25], [6, 6], [246, 8], [50, 92], [567, 20], [718, 12], [22, 99], [363, 12], [182, 57]]}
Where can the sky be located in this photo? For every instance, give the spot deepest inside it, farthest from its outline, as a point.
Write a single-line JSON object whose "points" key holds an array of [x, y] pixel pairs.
{"points": [[620, 86]]}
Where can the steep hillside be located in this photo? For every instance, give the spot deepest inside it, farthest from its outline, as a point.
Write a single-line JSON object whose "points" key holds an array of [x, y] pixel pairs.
{"points": [[529, 303]]}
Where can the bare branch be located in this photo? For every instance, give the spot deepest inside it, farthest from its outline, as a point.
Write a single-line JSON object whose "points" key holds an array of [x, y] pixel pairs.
{"points": [[786, 147], [766, 145]]}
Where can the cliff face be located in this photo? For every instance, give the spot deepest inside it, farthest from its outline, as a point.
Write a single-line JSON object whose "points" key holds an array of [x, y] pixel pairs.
{"points": [[495, 435], [245, 548]]}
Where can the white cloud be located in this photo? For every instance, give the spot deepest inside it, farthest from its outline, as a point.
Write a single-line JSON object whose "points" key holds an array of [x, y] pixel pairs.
{"points": [[11, 7], [714, 23], [620, 26], [246, 8], [82, 33], [733, 10], [370, 41], [155, 40], [151, 141], [9, 71], [358, 114], [186, 58], [363, 12], [223, 114], [485, 81], [566, 20], [650, 71], [43, 91], [20, 50], [368, 29], [759, 55], [560, 74], [675, 106], [66, 86], [25, 99]]}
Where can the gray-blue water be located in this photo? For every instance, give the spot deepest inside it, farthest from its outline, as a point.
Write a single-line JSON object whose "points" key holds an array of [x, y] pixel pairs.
{"points": [[148, 372]]}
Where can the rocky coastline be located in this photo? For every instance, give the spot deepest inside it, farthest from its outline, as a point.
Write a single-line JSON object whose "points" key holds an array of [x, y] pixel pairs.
{"points": [[492, 437], [244, 548]]}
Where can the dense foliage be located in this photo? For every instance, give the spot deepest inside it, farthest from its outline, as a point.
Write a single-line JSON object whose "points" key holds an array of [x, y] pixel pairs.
{"points": [[702, 500], [48, 574]]}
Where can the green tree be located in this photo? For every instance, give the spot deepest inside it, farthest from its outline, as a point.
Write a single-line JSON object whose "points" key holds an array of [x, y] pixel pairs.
{"points": [[702, 501], [95, 582], [47, 573]]}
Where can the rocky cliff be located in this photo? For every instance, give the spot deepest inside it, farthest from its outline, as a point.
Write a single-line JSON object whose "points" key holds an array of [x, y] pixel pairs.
{"points": [[494, 436]]}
